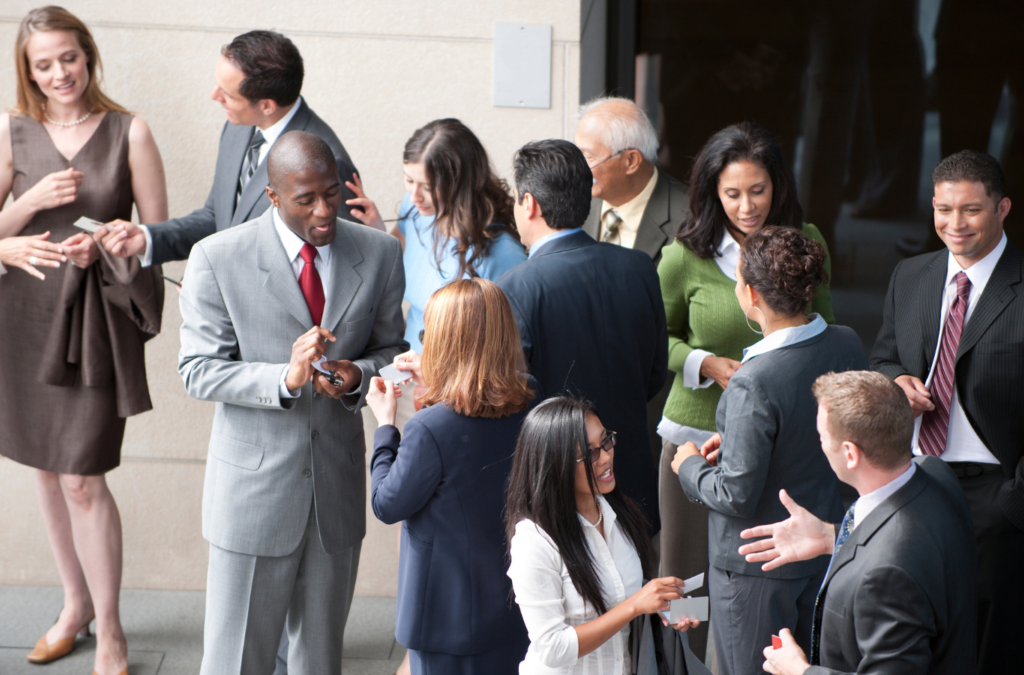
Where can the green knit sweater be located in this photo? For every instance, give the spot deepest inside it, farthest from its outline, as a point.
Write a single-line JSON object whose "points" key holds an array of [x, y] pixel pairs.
{"points": [[703, 313]]}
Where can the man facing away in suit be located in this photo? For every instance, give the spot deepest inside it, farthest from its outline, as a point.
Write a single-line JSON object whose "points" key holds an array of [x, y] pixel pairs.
{"points": [[590, 314], [899, 594], [258, 81], [284, 499], [634, 204], [952, 338]]}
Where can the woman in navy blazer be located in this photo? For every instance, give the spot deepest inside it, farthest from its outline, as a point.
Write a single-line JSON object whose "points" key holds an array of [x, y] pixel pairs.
{"points": [[446, 481]]}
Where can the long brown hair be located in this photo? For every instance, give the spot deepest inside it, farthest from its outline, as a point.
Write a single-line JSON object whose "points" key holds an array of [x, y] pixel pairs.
{"points": [[467, 193], [472, 359], [31, 100]]}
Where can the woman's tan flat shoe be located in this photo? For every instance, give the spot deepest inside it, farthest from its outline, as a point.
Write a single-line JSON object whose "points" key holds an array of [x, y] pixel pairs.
{"points": [[44, 653]]}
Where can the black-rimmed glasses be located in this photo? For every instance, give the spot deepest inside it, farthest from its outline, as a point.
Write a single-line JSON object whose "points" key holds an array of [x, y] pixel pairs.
{"points": [[607, 444]]}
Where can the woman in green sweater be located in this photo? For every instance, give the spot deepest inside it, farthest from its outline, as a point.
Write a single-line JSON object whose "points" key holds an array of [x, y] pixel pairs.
{"points": [[740, 183]]}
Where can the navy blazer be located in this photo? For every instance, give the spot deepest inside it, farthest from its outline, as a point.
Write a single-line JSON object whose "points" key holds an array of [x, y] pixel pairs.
{"points": [[446, 479], [592, 322]]}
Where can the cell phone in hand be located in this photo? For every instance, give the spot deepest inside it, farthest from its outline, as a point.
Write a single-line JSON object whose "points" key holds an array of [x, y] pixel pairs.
{"points": [[395, 375]]}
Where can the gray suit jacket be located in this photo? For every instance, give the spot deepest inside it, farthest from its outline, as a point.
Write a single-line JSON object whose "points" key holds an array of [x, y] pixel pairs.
{"points": [[269, 458], [662, 219], [767, 418], [173, 239], [900, 597]]}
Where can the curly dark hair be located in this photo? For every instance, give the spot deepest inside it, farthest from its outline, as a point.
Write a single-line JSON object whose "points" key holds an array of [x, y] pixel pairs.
{"points": [[706, 221], [784, 266], [473, 204]]}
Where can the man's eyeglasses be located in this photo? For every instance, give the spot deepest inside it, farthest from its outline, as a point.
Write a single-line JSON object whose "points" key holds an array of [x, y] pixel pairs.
{"points": [[607, 444], [614, 154]]}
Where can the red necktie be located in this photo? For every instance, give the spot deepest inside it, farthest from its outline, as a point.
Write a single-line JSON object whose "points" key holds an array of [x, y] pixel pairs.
{"points": [[309, 282], [935, 423]]}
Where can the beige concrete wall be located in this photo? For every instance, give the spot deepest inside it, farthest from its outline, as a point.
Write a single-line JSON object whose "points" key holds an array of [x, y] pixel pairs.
{"points": [[375, 71]]}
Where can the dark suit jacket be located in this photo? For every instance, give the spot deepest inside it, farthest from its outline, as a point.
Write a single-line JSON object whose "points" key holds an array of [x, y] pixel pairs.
{"points": [[592, 323], [447, 483], [989, 371], [173, 239], [900, 597], [662, 218], [767, 418]]}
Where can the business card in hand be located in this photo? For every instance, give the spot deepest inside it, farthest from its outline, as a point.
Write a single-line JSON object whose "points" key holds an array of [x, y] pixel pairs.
{"points": [[687, 608], [88, 224], [395, 375]]}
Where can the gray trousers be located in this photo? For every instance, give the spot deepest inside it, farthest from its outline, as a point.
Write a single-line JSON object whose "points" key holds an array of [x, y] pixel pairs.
{"points": [[251, 600], [747, 610]]}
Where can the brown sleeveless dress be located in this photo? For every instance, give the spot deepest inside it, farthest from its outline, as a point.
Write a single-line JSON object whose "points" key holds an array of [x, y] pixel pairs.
{"points": [[72, 363]]}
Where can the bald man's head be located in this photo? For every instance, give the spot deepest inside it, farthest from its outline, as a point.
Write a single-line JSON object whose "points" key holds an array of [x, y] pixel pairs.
{"points": [[304, 186], [299, 151]]}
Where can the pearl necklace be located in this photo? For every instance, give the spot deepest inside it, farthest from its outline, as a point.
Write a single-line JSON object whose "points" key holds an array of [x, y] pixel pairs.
{"points": [[66, 124]]}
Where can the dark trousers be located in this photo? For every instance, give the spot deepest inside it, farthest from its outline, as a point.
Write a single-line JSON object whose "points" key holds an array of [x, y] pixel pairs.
{"points": [[747, 610], [1000, 578]]}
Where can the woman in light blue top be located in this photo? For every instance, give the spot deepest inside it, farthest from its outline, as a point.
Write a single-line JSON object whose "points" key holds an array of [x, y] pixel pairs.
{"points": [[455, 222]]}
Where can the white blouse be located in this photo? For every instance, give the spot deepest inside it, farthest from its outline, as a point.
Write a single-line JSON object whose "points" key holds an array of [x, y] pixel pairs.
{"points": [[551, 606]]}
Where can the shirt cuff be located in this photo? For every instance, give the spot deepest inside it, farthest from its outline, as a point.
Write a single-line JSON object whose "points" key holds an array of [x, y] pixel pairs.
{"points": [[691, 370], [283, 390], [146, 257]]}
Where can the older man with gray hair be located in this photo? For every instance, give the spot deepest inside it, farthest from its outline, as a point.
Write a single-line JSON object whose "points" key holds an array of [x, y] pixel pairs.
{"points": [[635, 205]]}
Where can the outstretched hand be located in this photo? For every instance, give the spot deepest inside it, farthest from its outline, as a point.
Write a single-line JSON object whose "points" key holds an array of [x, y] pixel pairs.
{"points": [[802, 536]]}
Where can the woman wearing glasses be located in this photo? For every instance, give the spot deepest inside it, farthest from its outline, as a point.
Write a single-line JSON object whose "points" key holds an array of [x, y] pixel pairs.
{"points": [[445, 478], [767, 441], [579, 547]]}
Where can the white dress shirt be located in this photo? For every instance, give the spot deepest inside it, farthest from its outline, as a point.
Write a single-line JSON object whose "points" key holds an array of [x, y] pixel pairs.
{"points": [[631, 213], [551, 606], [869, 502], [270, 136], [292, 246], [726, 257], [962, 444]]}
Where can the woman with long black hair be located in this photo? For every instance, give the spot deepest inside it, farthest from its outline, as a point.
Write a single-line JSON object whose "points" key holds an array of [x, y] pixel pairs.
{"points": [[579, 547]]}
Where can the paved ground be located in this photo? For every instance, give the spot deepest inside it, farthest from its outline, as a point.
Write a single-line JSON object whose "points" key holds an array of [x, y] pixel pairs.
{"points": [[165, 633]]}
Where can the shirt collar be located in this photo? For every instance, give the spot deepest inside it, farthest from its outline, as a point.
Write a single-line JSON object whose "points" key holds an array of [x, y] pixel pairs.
{"points": [[274, 131], [872, 500], [980, 272], [729, 243], [293, 243], [632, 212], [548, 238], [786, 336]]}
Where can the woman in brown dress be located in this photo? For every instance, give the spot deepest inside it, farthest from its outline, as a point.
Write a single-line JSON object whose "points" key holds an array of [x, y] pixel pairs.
{"points": [[73, 320]]}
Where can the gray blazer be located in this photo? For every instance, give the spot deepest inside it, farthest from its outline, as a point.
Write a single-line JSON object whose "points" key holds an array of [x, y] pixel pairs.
{"points": [[662, 219], [242, 310], [900, 596], [173, 239], [767, 417]]}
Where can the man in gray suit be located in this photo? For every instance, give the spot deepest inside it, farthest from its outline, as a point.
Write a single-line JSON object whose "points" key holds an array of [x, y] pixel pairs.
{"points": [[899, 594], [258, 80], [285, 493]]}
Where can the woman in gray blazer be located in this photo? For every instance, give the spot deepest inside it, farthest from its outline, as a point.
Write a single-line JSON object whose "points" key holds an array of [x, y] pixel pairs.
{"points": [[766, 441]]}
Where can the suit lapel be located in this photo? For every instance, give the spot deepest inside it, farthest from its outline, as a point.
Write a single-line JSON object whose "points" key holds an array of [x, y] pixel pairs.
{"points": [[998, 294], [930, 307], [257, 186], [593, 224], [278, 277], [649, 235], [344, 280], [864, 531]]}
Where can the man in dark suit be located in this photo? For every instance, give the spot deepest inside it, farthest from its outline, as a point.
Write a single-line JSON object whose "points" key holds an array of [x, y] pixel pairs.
{"points": [[634, 204], [899, 593], [952, 338], [258, 80], [590, 314]]}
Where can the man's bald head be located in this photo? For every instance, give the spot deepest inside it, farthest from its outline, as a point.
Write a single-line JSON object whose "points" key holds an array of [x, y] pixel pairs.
{"points": [[296, 152]]}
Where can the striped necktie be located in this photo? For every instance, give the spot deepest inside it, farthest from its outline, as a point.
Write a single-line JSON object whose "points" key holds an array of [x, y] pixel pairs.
{"points": [[844, 532], [252, 160], [935, 423]]}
